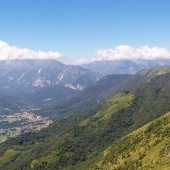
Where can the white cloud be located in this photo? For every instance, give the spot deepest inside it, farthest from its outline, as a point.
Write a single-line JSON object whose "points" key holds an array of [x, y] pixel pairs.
{"points": [[12, 52], [126, 52], [118, 53]]}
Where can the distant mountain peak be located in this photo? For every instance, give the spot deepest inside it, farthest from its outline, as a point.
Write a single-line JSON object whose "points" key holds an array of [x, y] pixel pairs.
{"points": [[124, 66], [40, 73]]}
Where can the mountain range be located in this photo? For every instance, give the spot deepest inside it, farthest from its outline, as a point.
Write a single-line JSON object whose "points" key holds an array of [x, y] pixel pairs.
{"points": [[102, 90], [129, 129], [124, 66], [38, 82], [55, 100], [41, 73]]}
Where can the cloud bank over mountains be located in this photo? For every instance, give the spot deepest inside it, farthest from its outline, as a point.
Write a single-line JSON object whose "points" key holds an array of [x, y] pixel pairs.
{"points": [[124, 52], [12, 52]]}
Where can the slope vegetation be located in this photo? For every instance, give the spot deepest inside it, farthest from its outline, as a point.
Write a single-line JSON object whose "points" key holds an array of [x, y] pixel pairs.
{"points": [[145, 148], [74, 142]]}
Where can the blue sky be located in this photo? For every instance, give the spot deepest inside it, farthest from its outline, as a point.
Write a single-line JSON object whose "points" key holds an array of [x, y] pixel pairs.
{"points": [[79, 28]]}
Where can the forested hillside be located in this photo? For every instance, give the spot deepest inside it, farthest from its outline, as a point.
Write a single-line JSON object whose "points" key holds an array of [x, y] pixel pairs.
{"points": [[145, 148], [73, 142]]}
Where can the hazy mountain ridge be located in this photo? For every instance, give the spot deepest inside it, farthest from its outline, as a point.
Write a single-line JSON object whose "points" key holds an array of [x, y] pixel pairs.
{"points": [[33, 82], [41, 73], [124, 66]]}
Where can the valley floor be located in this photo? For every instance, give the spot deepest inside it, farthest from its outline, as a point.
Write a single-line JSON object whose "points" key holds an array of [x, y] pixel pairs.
{"points": [[17, 123]]}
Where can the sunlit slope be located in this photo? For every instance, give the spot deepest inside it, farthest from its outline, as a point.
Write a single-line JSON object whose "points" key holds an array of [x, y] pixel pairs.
{"points": [[145, 148], [152, 72]]}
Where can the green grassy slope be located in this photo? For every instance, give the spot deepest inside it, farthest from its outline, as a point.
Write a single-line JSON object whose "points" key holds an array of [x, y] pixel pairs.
{"points": [[72, 143], [145, 148]]}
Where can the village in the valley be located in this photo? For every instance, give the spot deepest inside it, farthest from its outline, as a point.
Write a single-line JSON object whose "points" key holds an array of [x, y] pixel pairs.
{"points": [[17, 123]]}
